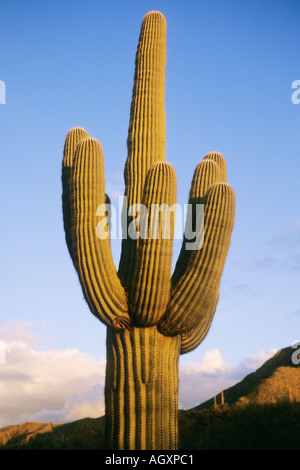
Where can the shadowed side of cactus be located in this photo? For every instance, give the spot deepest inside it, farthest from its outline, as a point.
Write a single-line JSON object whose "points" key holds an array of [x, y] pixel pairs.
{"points": [[152, 316]]}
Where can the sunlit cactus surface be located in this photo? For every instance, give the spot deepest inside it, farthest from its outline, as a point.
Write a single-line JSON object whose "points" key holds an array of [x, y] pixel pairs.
{"points": [[152, 315]]}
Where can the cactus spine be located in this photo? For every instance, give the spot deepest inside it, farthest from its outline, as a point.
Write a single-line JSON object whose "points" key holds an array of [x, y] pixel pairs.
{"points": [[151, 315]]}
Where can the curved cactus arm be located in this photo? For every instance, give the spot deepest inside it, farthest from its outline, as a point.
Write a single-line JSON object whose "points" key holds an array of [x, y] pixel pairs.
{"points": [[150, 286], [218, 158], [90, 249], [196, 279], [146, 134], [74, 136], [206, 173], [191, 339]]}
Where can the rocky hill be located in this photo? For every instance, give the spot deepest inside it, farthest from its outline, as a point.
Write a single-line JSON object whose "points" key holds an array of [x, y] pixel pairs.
{"points": [[27, 430], [277, 379], [260, 412]]}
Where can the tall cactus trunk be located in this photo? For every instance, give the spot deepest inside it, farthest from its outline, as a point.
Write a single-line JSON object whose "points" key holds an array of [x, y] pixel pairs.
{"points": [[141, 390]]}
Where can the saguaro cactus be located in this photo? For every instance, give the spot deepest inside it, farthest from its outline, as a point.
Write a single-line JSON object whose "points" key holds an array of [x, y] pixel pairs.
{"points": [[152, 316]]}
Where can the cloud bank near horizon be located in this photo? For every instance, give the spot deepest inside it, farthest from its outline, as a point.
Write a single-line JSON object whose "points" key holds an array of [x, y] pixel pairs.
{"points": [[52, 385]]}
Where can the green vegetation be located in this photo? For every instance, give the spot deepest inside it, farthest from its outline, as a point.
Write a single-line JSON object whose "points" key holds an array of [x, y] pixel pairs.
{"points": [[252, 427]]}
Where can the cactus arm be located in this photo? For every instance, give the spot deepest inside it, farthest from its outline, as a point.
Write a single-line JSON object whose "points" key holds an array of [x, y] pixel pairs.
{"points": [[73, 137], [150, 285], [191, 339], [218, 158], [146, 133], [206, 173], [195, 283], [92, 255]]}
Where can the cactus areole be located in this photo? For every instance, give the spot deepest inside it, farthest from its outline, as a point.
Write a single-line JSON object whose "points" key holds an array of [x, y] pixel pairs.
{"points": [[152, 315]]}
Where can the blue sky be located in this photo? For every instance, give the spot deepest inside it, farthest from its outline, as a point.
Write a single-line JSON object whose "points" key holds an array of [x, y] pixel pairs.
{"points": [[230, 68]]}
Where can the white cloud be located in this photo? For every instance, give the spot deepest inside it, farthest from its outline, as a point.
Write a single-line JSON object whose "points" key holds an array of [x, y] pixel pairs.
{"points": [[17, 330], [202, 380], [76, 406], [51, 385], [212, 363], [59, 385]]}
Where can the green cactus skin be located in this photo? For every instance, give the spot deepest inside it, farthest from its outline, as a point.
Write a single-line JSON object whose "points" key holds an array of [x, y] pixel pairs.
{"points": [[142, 389], [152, 316]]}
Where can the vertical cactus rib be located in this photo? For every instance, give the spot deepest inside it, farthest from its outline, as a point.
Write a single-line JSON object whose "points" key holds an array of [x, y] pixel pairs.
{"points": [[99, 280], [218, 158], [147, 401], [191, 339], [206, 173], [146, 134], [196, 289], [150, 285], [73, 137]]}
